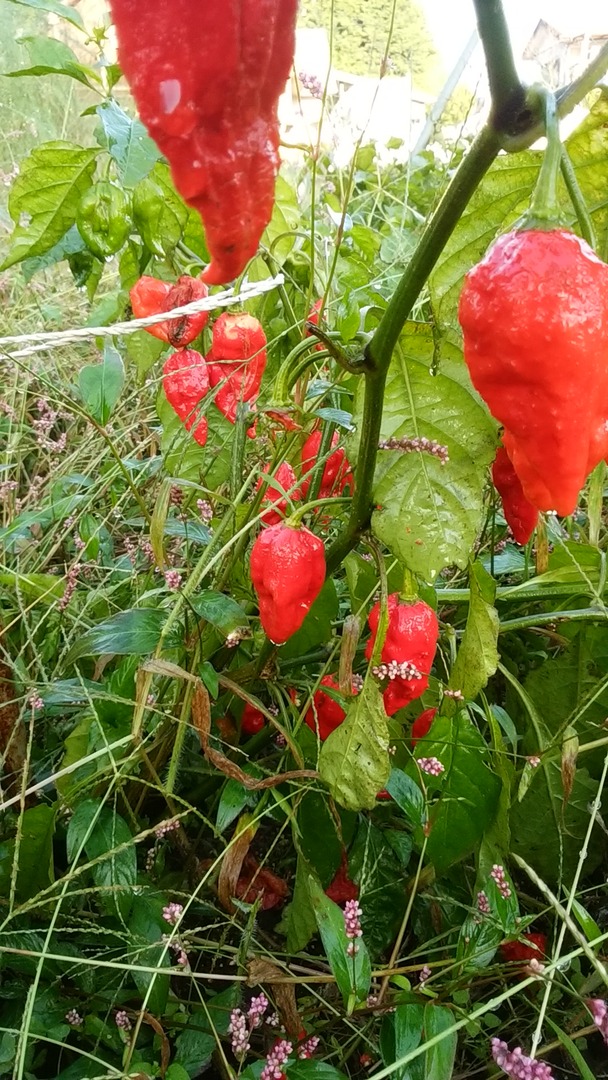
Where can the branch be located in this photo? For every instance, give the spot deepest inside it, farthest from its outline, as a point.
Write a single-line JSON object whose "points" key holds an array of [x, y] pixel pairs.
{"points": [[506, 89]]}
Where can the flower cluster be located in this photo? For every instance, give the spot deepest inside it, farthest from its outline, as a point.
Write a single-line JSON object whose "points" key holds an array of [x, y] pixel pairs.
{"points": [[181, 957], [122, 1020], [172, 913], [71, 581], [533, 761], [352, 925], [430, 765], [47, 418], [456, 695], [275, 1060], [257, 1008], [311, 83], [396, 670], [599, 1011], [517, 1065], [419, 445], [239, 1031], [307, 1049], [483, 904], [73, 1018], [205, 509], [164, 828], [497, 872], [173, 580], [425, 973]]}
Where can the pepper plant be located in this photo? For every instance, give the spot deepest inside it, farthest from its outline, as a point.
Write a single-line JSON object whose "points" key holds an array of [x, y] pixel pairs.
{"points": [[303, 728]]}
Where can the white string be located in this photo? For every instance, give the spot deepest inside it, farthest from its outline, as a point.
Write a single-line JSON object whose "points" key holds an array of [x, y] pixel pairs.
{"points": [[57, 338]]}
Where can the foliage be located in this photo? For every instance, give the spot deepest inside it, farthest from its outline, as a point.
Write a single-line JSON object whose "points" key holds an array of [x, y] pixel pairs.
{"points": [[161, 868]]}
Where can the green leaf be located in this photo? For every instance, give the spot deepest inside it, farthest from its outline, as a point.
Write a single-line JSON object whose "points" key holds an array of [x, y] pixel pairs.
{"points": [[354, 761], [314, 1070], [353, 974], [233, 800], [220, 611], [477, 657], [128, 633], [129, 144], [317, 626], [469, 790], [194, 1047], [47, 191], [382, 896], [158, 212], [177, 1072], [430, 513], [48, 56], [101, 830], [146, 929], [299, 921], [69, 13], [439, 1059], [314, 820], [572, 1049], [409, 798], [101, 384], [35, 850], [401, 1033]]}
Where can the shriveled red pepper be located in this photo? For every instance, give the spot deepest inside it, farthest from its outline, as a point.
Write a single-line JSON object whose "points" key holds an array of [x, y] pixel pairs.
{"points": [[325, 714], [185, 382], [256, 881], [287, 571], [337, 473], [534, 314], [150, 296], [422, 725], [521, 516], [517, 952], [408, 651], [341, 887], [207, 78], [252, 720], [236, 361], [272, 497]]}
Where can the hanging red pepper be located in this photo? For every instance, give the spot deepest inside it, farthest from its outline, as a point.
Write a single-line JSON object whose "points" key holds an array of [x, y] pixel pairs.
{"points": [[252, 720], [207, 78], [521, 516], [236, 361], [422, 725], [337, 473], [279, 504], [185, 382], [325, 714], [408, 651], [287, 572], [341, 888], [150, 296]]}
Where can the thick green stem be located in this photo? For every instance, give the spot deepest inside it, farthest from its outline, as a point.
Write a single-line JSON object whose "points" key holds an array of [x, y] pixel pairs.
{"points": [[505, 87], [380, 348]]}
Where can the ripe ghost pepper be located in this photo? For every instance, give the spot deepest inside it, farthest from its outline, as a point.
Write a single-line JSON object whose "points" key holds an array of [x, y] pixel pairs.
{"points": [[286, 477], [422, 725], [325, 714], [207, 78], [185, 382], [534, 314], [252, 720], [287, 572], [411, 639], [236, 361], [337, 474], [149, 296], [521, 516]]}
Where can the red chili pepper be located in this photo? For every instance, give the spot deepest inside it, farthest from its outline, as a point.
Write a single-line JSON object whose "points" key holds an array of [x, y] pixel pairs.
{"points": [[337, 473], [252, 720], [236, 361], [534, 314], [422, 725], [383, 795], [411, 638], [521, 516], [517, 952], [149, 296], [341, 887], [207, 78], [185, 382], [325, 714], [287, 572], [313, 317], [256, 881], [286, 477]]}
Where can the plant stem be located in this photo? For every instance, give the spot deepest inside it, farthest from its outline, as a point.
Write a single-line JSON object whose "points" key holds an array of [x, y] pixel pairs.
{"points": [[380, 348], [505, 86], [577, 199]]}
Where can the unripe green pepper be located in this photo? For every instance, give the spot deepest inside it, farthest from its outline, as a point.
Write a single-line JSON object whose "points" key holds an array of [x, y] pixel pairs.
{"points": [[103, 218]]}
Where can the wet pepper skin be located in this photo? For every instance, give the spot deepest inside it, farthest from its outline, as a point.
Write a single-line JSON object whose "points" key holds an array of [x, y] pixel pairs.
{"points": [[411, 636], [534, 313], [186, 382], [236, 361], [206, 76], [287, 572], [521, 516]]}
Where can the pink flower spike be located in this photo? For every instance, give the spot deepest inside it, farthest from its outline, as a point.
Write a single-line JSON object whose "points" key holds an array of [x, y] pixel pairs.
{"points": [[430, 765], [517, 1065]]}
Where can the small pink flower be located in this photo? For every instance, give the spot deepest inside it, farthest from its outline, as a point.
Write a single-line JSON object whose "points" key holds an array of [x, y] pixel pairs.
{"points": [[599, 1011], [307, 1049], [430, 765], [275, 1060], [517, 1065], [533, 761], [257, 1008], [483, 904], [425, 973], [73, 1018], [173, 580], [172, 913], [122, 1020], [497, 872], [239, 1031], [396, 670]]}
